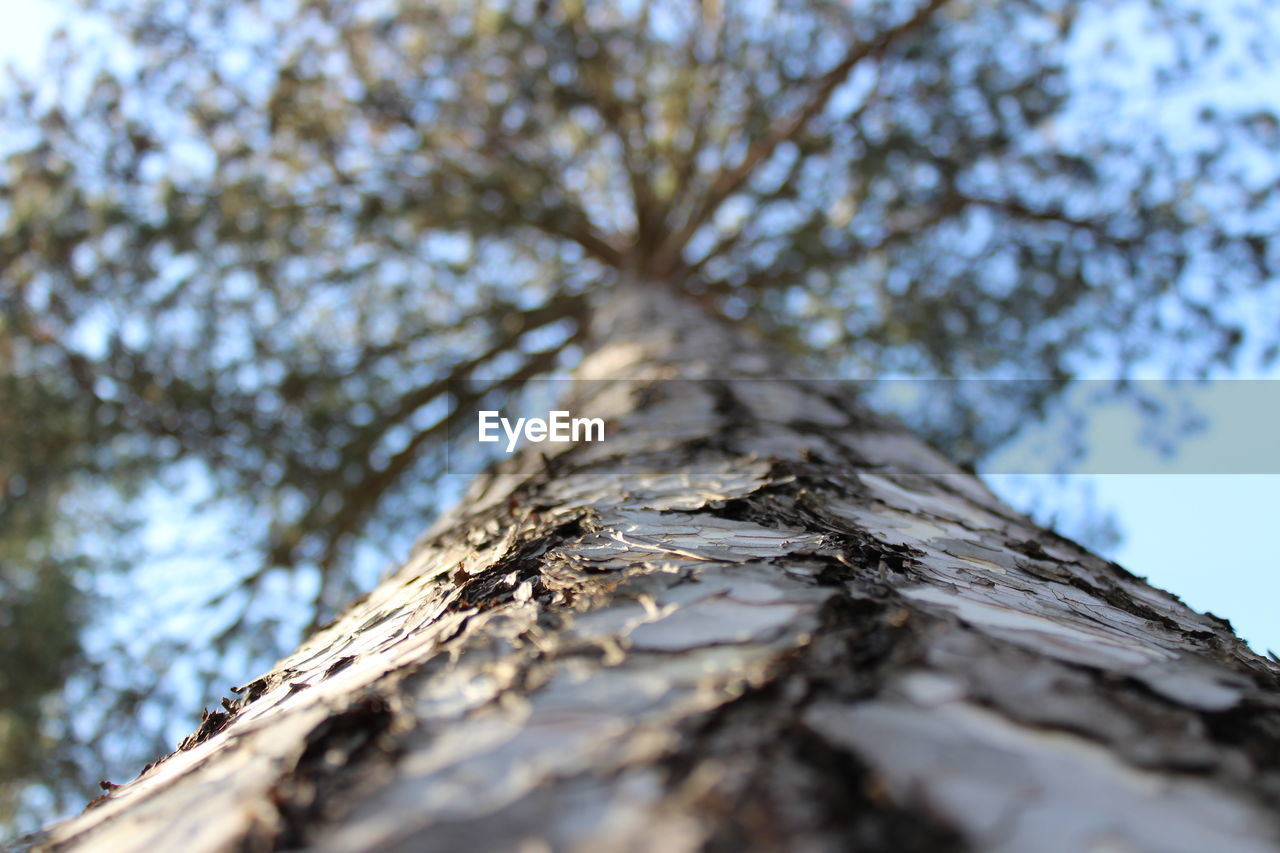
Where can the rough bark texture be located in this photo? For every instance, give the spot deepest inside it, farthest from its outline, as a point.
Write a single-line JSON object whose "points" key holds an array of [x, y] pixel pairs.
{"points": [[794, 633]]}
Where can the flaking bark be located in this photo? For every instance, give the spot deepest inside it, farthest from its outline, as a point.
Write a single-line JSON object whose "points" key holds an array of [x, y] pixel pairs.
{"points": [[755, 617]]}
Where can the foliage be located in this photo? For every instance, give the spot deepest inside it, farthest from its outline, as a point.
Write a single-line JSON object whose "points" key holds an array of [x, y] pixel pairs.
{"points": [[254, 256]]}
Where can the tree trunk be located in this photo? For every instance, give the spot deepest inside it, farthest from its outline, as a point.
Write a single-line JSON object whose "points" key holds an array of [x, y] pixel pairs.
{"points": [[755, 616]]}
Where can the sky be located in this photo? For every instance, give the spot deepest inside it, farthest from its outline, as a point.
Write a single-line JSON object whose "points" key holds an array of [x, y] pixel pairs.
{"points": [[1192, 524]]}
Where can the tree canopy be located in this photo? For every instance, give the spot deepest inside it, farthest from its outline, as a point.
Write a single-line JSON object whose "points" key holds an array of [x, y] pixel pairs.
{"points": [[253, 253]]}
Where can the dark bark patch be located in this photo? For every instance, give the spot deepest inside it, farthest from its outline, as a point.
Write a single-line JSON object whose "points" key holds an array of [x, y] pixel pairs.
{"points": [[256, 689], [339, 665], [735, 414], [1239, 746], [1254, 729], [211, 722], [497, 583], [337, 752], [1118, 599], [806, 788], [795, 496], [780, 785]]}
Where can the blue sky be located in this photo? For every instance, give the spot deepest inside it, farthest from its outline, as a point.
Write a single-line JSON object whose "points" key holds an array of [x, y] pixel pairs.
{"points": [[1212, 538]]}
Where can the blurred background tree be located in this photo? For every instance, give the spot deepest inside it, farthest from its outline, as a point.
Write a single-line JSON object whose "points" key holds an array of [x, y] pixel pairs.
{"points": [[255, 253]]}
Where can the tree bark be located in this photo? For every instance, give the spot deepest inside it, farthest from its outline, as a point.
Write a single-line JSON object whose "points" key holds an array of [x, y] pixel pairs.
{"points": [[756, 616]]}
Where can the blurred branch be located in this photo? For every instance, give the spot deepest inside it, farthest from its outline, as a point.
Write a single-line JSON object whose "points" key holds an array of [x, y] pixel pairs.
{"points": [[698, 101], [361, 499], [1019, 210], [625, 118], [566, 221], [728, 181], [360, 496]]}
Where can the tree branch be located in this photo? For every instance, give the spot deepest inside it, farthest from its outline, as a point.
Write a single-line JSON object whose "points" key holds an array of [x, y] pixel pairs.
{"points": [[362, 498], [620, 117], [728, 181]]}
